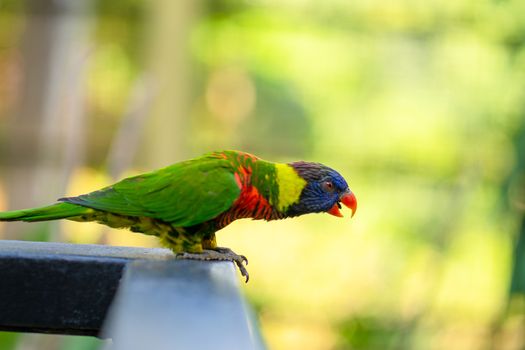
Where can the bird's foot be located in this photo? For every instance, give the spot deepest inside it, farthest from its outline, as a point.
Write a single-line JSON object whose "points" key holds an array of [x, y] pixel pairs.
{"points": [[219, 253]]}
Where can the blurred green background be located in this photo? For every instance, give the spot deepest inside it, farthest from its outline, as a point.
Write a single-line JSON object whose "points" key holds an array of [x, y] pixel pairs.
{"points": [[419, 104]]}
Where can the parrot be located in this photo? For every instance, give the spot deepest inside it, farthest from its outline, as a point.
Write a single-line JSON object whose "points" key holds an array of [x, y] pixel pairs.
{"points": [[186, 203]]}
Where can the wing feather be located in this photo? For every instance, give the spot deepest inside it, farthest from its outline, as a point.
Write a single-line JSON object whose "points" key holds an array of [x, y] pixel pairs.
{"points": [[184, 194]]}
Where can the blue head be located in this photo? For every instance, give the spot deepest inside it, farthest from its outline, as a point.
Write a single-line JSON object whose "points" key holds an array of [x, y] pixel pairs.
{"points": [[324, 191]]}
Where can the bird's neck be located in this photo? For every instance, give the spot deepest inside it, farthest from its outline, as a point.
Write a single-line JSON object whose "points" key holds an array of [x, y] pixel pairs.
{"points": [[276, 185], [269, 191]]}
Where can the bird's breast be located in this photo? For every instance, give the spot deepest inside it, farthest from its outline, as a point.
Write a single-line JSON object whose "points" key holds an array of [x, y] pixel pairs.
{"points": [[250, 204]]}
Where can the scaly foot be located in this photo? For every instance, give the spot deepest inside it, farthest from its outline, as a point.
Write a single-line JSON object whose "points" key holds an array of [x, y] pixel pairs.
{"points": [[219, 253]]}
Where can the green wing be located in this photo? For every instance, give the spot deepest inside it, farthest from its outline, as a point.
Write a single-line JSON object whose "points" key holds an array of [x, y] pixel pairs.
{"points": [[183, 194]]}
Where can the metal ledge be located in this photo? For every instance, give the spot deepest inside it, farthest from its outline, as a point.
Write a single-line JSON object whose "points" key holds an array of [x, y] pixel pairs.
{"points": [[181, 304], [161, 303]]}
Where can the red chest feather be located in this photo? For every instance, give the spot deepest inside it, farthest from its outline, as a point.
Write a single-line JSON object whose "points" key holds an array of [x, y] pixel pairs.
{"points": [[250, 204]]}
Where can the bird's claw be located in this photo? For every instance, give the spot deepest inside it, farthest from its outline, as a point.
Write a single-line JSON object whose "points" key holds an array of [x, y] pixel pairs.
{"points": [[221, 254], [239, 259], [243, 270], [228, 251]]}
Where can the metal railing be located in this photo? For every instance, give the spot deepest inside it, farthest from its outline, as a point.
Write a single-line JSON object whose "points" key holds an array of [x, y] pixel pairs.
{"points": [[140, 298]]}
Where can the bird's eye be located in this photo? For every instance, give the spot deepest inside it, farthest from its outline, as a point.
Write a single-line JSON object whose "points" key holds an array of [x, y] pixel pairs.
{"points": [[328, 186]]}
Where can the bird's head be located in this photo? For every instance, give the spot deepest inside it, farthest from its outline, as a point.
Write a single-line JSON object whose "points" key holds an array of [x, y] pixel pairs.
{"points": [[324, 191]]}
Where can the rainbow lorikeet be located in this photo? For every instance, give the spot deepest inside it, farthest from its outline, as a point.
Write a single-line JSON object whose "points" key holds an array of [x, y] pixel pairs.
{"points": [[186, 203]]}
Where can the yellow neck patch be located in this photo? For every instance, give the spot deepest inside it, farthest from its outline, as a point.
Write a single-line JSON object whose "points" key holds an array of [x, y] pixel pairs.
{"points": [[290, 186]]}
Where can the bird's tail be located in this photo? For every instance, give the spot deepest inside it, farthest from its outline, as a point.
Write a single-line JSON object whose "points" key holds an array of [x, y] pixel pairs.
{"points": [[51, 212]]}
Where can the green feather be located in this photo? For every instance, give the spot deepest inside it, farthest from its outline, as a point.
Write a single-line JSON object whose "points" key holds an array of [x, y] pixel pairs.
{"points": [[183, 194], [51, 212]]}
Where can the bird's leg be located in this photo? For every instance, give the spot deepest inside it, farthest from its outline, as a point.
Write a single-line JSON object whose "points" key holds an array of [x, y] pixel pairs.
{"points": [[219, 253]]}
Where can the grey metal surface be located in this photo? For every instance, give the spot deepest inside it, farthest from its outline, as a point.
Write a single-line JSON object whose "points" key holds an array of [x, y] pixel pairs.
{"points": [[181, 304], [61, 288], [160, 303], [89, 250]]}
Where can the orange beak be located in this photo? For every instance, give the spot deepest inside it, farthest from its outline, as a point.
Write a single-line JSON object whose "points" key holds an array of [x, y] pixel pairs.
{"points": [[349, 200]]}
